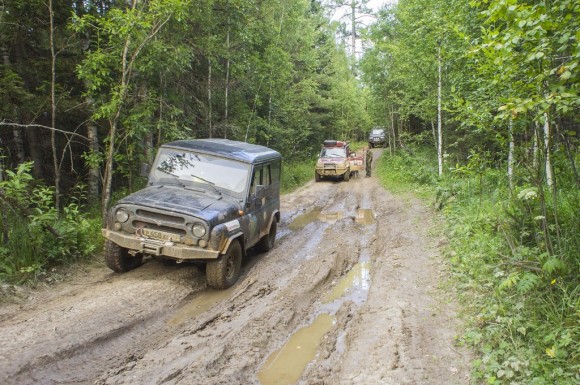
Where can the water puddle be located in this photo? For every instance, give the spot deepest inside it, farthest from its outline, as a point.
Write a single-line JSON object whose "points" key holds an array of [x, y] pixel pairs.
{"points": [[285, 366], [364, 217], [302, 220], [198, 305], [353, 286]]}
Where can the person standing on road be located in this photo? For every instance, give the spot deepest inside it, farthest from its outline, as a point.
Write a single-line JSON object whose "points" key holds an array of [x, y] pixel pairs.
{"points": [[369, 162]]}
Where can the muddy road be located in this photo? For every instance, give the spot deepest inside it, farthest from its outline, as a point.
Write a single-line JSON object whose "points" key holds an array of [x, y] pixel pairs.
{"points": [[351, 294]]}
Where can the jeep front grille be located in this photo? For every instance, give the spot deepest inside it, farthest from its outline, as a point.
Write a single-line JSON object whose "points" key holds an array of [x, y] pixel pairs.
{"points": [[158, 217], [141, 224]]}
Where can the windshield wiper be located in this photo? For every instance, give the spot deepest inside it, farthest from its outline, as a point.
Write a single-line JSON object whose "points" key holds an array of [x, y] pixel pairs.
{"points": [[212, 184], [176, 177]]}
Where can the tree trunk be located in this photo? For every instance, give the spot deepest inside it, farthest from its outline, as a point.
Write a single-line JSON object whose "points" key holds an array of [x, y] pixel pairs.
{"points": [[439, 123], [548, 157], [511, 155], [53, 108], [227, 90], [209, 112], [108, 177], [353, 35]]}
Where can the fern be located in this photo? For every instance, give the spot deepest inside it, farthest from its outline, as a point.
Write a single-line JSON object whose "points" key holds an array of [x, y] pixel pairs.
{"points": [[510, 281], [527, 282], [554, 265]]}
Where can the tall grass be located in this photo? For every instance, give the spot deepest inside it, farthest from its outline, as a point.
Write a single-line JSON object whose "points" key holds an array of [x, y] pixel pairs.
{"points": [[515, 266], [296, 174]]}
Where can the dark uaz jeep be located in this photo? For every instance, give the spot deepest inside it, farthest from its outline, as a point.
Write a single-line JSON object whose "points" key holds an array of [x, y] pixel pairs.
{"points": [[207, 200]]}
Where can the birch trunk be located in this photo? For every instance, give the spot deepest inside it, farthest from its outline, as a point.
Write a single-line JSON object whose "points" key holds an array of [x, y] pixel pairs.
{"points": [[53, 109], [511, 155], [547, 140], [439, 123], [209, 112]]}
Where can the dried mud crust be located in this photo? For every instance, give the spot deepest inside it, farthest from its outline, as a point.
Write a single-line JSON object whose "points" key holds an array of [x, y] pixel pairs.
{"points": [[160, 324]]}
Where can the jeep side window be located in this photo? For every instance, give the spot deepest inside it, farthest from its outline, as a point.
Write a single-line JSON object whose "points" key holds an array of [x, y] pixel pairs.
{"points": [[266, 178], [256, 179]]}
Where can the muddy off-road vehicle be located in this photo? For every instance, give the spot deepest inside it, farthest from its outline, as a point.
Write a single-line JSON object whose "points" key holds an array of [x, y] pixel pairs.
{"points": [[377, 137], [336, 160], [206, 200]]}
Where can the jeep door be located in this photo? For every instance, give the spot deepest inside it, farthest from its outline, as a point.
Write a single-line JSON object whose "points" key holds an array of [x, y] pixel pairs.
{"points": [[263, 200]]}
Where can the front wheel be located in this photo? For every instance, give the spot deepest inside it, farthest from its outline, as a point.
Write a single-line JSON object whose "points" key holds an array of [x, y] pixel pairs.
{"points": [[346, 176], [267, 242], [118, 258], [225, 271], [317, 177]]}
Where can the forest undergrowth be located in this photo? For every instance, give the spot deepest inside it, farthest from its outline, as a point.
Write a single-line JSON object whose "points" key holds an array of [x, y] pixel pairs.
{"points": [[514, 258]]}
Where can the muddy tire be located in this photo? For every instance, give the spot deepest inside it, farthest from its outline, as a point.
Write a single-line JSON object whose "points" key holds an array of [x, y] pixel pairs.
{"points": [[317, 177], [346, 176], [118, 258], [225, 271], [267, 242]]}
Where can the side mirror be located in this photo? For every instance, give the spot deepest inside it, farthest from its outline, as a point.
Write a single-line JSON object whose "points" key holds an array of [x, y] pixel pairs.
{"points": [[145, 169]]}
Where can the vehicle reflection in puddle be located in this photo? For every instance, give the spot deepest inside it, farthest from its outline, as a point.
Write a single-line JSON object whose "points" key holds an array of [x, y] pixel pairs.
{"points": [[353, 286], [285, 366], [198, 305], [364, 216]]}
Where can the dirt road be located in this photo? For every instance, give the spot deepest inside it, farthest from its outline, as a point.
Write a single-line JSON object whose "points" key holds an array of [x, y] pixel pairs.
{"points": [[350, 295]]}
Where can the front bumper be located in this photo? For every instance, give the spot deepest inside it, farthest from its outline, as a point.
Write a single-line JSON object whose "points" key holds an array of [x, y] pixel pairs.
{"points": [[331, 171], [159, 248]]}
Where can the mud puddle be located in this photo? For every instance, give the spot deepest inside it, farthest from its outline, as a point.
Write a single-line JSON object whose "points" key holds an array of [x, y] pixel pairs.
{"points": [[285, 366], [200, 303], [353, 286], [363, 216]]}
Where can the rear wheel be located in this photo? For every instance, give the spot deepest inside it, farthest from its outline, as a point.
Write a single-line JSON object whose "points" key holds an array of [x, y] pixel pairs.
{"points": [[267, 242], [118, 258], [225, 271]]}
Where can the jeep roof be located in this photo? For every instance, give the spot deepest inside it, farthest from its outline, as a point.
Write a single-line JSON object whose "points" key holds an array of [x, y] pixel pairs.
{"points": [[244, 152]]}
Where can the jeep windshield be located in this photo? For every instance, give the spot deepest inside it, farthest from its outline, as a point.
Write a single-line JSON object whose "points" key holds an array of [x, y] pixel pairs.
{"points": [[199, 171], [333, 152]]}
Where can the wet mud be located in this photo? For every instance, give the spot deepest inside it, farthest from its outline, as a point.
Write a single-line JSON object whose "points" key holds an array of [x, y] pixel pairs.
{"points": [[351, 294]]}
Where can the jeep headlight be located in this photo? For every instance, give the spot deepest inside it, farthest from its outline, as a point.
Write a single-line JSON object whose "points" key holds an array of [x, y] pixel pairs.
{"points": [[122, 215], [198, 230]]}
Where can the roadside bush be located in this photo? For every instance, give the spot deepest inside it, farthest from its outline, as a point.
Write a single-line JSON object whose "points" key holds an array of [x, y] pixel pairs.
{"points": [[515, 258], [35, 235], [296, 174]]}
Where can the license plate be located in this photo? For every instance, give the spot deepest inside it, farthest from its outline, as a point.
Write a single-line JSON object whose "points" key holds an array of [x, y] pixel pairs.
{"points": [[160, 235]]}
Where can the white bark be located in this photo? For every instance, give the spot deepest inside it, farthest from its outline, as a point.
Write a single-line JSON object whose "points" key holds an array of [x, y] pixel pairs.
{"points": [[512, 147], [439, 120], [547, 136]]}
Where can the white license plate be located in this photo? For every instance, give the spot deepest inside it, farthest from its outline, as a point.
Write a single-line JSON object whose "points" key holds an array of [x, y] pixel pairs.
{"points": [[160, 235]]}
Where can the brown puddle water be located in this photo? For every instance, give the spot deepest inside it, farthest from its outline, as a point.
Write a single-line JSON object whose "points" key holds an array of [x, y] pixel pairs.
{"points": [[364, 216], [302, 220], [199, 305], [356, 282], [285, 366]]}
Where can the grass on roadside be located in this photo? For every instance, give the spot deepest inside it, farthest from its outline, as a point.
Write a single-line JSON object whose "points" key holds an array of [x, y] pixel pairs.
{"points": [[521, 303], [296, 174]]}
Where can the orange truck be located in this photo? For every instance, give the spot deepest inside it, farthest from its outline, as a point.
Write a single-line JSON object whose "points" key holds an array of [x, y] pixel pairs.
{"points": [[336, 160]]}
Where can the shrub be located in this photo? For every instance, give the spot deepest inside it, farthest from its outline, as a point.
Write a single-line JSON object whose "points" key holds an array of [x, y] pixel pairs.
{"points": [[35, 234]]}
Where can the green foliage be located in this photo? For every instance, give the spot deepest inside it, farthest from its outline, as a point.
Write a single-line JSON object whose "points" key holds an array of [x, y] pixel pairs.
{"points": [[521, 301], [296, 174], [34, 234]]}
